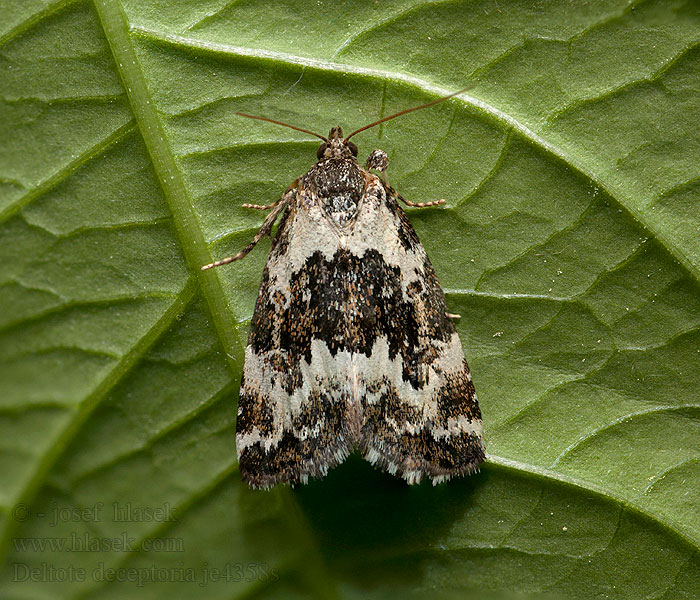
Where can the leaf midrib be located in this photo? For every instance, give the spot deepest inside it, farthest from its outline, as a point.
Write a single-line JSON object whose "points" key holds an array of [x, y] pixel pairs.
{"points": [[191, 238], [189, 232]]}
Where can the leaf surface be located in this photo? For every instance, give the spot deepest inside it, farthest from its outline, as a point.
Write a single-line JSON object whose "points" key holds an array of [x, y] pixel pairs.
{"points": [[568, 244]]}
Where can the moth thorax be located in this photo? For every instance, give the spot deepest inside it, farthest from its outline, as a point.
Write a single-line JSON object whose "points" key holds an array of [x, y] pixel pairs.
{"points": [[339, 185]]}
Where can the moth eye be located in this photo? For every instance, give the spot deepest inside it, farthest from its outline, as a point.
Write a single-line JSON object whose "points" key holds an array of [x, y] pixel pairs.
{"points": [[353, 148], [321, 150]]}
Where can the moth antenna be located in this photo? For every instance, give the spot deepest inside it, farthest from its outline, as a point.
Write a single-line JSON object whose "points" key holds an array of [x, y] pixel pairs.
{"points": [[240, 114], [408, 110]]}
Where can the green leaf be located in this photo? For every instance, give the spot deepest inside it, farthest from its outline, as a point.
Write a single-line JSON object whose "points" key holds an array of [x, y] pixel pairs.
{"points": [[568, 244]]}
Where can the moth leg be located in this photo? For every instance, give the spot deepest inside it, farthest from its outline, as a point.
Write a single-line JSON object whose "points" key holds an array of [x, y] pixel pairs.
{"points": [[261, 206], [453, 316], [398, 196], [279, 206]]}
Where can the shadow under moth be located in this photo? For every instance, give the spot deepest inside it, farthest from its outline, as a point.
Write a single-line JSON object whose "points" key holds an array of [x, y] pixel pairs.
{"points": [[350, 345]]}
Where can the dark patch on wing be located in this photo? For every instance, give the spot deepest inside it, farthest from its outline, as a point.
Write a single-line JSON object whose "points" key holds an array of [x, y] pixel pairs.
{"points": [[318, 440], [254, 412], [347, 302], [264, 317]]}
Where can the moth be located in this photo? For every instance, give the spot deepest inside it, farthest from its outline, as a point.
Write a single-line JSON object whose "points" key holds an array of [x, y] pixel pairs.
{"points": [[350, 345]]}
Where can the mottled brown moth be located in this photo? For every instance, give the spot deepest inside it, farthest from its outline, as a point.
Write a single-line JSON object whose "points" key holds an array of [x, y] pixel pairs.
{"points": [[350, 345]]}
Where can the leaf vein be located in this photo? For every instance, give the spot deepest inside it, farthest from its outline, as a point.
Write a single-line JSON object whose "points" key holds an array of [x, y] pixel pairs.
{"points": [[614, 423], [61, 175], [88, 405]]}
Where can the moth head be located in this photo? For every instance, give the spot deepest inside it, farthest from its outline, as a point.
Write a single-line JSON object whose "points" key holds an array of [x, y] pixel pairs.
{"points": [[336, 146]]}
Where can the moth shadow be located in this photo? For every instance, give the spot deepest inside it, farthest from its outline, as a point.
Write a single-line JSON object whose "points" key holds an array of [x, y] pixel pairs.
{"points": [[373, 527]]}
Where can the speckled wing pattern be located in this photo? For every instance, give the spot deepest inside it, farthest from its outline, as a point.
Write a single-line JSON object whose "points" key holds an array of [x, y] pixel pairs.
{"points": [[350, 346]]}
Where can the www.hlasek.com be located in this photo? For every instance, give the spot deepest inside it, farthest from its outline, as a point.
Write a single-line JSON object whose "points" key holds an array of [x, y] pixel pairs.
{"points": [[86, 542]]}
